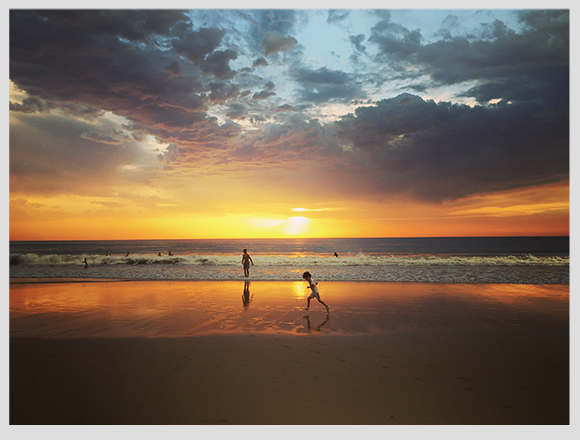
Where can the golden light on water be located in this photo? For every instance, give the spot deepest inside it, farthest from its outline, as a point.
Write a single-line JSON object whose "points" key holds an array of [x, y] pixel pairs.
{"points": [[180, 309], [299, 290]]}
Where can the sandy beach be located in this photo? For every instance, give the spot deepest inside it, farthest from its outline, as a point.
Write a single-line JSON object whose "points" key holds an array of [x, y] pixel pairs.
{"points": [[197, 353]]}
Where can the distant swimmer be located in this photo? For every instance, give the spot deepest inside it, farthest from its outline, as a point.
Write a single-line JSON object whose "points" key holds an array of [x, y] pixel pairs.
{"points": [[107, 254], [159, 254], [86, 263], [127, 254], [170, 254], [246, 260], [335, 254]]}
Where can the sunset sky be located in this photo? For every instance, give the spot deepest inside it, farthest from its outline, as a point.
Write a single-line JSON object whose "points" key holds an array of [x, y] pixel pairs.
{"points": [[135, 124]]}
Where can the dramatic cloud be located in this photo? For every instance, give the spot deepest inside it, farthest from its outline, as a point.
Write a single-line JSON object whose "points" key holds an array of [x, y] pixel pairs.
{"points": [[324, 85], [104, 139], [337, 16], [76, 57], [384, 103], [196, 45], [395, 41], [273, 44], [528, 65], [436, 151]]}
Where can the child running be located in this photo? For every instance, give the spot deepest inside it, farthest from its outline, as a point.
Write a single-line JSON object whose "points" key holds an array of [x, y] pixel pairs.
{"points": [[315, 293]]}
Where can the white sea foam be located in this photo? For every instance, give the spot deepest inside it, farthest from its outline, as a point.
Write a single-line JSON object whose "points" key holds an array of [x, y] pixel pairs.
{"points": [[423, 269], [298, 261]]}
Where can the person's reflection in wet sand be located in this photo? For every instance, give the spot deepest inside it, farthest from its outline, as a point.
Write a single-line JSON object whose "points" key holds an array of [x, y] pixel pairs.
{"points": [[307, 317], [246, 295]]}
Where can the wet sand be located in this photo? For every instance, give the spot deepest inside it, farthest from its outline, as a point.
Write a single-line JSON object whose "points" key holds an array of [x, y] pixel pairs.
{"points": [[200, 353]]}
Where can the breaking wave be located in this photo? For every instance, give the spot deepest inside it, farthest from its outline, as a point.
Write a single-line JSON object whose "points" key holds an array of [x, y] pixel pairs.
{"points": [[294, 261]]}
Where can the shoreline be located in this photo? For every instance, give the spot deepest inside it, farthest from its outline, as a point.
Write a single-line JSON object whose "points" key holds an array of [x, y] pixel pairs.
{"points": [[188, 308], [194, 353], [64, 280]]}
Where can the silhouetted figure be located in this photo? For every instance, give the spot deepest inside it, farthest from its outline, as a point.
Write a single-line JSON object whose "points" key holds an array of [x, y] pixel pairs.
{"points": [[335, 254], [127, 254], [170, 254], [159, 254], [246, 260], [315, 294], [107, 254], [86, 262]]}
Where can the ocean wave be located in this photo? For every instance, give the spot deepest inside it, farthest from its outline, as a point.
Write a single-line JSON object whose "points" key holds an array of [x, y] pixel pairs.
{"points": [[292, 261], [415, 274]]}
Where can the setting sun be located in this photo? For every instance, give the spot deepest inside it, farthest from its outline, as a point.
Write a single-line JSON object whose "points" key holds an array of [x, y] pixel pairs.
{"points": [[296, 225]]}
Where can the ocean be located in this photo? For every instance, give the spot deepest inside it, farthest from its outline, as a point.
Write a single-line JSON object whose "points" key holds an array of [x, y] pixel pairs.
{"points": [[473, 260]]}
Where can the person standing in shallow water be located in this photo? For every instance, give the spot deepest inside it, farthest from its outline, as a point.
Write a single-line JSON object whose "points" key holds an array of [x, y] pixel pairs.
{"points": [[246, 260]]}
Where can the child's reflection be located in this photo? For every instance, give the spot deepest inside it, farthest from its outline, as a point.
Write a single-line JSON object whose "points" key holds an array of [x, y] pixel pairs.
{"points": [[246, 295], [307, 317]]}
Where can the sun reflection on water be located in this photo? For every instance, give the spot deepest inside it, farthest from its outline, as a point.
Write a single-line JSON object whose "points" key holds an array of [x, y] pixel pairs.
{"points": [[299, 290], [180, 309]]}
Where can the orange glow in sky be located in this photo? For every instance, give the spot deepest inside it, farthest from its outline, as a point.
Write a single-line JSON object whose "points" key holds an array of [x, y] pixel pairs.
{"points": [[536, 211], [283, 123]]}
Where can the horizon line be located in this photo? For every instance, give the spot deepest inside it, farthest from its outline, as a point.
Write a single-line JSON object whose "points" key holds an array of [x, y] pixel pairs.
{"points": [[302, 238]]}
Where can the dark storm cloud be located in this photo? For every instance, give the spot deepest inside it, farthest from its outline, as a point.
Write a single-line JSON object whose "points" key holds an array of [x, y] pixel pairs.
{"points": [[118, 61], [114, 139], [274, 43], [270, 31], [284, 108], [337, 16], [174, 69], [438, 151], [441, 151], [260, 62], [217, 63], [237, 110], [295, 141], [394, 40], [276, 21], [264, 94], [31, 105], [132, 25], [168, 77], [531, 64], [357, 41], [323, 85], [196, 45], [37, 105], [222, 91]]}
